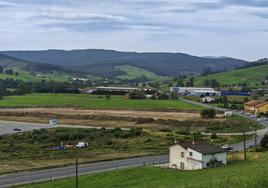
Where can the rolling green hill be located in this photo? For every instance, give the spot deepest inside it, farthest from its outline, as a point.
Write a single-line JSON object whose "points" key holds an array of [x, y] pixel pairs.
{"points": [[252, 75], [28, 71], [104, 62], [136, 73]]}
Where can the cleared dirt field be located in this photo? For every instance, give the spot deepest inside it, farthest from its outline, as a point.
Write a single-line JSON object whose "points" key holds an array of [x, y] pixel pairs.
{"points": [[71, 112]]}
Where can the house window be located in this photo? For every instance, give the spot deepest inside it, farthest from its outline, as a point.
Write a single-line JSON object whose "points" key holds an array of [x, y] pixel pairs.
{"points": [[182, 165], [182, 154], [191, 154]]}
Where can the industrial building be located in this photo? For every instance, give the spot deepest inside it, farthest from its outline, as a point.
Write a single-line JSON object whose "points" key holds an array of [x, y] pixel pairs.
{"points": [[195, 91]]}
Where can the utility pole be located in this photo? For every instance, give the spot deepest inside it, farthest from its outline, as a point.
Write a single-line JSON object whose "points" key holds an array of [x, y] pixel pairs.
{"points": [[245, 149], [255, 137], [76, 173]]}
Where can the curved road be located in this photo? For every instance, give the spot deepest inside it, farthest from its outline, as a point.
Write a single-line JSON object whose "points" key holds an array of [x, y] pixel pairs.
{"points": [[238, 146]]}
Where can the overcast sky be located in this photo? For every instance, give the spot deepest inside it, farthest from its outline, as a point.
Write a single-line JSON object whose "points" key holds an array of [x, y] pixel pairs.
{"points": [[236, 28]]}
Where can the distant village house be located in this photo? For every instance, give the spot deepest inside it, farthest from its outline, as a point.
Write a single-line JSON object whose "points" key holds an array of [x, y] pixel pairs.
{"points": [[256, 107]]}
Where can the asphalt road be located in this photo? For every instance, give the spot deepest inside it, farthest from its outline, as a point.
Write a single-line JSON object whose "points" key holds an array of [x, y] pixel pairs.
{"points": [[7, 127], [64, 172], [238, 146]]}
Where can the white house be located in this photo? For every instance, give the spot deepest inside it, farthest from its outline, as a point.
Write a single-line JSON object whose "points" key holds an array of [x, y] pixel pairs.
{"points": [[193, 156], [207, 100]]}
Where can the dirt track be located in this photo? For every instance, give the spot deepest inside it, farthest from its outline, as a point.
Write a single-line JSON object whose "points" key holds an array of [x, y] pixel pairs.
{"points": [[115, 113]]}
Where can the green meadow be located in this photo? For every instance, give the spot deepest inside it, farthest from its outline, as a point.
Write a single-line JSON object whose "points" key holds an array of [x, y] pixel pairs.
{"points": [[92, 102], [252, 75], [238, 174]]}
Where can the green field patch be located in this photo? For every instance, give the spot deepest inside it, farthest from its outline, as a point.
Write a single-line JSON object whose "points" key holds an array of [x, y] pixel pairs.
{"points": [[136, 73], [92, 102]]}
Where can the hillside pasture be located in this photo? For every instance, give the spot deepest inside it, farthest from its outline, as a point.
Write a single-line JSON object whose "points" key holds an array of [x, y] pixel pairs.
{"points": [[252, 75], [239, 174]]}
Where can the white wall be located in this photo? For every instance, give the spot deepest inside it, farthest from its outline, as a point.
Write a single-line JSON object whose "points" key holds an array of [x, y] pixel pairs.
{"points": [[219, 156], [196, 161], [175, 156]]}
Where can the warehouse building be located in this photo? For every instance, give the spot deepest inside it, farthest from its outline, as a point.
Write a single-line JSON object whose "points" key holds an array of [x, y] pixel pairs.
{"points": [[195, 91]]}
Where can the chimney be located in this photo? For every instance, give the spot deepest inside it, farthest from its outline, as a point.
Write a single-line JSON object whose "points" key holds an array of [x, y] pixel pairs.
{"points": [[193, 142], [175, 141]]}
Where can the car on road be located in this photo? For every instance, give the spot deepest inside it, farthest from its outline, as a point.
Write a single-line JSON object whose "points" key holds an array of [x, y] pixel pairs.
{"points": [[82, 145], [16, 129], [227, 147]]}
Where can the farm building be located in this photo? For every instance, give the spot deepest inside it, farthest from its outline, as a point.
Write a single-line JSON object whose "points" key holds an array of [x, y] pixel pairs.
{"points": [[195, 91], [256, 107], [122, 90], [193, 156]]}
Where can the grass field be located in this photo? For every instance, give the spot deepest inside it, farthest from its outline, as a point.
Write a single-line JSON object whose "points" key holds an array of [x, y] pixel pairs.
{"points": [[135, 73], [92, 102], [34, 149], [252, 75], [239, 174]]}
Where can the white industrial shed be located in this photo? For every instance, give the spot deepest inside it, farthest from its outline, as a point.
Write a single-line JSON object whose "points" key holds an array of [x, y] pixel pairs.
{"points": [[195, 91]]}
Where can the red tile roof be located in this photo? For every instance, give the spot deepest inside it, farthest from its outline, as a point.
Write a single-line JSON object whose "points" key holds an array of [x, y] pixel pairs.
{"points": [[254, 103]]}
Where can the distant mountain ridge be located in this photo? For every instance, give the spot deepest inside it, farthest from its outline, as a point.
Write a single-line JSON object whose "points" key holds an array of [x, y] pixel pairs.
{"points": [[35, 71], [104, 62]]}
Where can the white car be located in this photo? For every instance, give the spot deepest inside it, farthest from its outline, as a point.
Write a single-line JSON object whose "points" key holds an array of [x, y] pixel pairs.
{"points": [[82, 145], [259, 119], [227, 147]]}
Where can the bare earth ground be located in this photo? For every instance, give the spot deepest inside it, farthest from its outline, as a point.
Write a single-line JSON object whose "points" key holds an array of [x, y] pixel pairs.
{"points": [[91, 123], [98, 118], [116, 113]]}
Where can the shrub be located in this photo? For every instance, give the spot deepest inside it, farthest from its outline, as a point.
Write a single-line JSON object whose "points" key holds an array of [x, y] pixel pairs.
{"points": [[213, 136], [264, 142], [136, 95], [208, 113], [183, 131], [165, 130]]}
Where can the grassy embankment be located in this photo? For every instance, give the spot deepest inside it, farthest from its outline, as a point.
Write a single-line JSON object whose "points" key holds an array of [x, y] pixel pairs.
{"points": [[239, 174], [92, 102], [34, 149]]}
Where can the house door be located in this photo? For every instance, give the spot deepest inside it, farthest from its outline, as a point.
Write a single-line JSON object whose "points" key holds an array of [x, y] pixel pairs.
{"points": [[182, 165]]}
